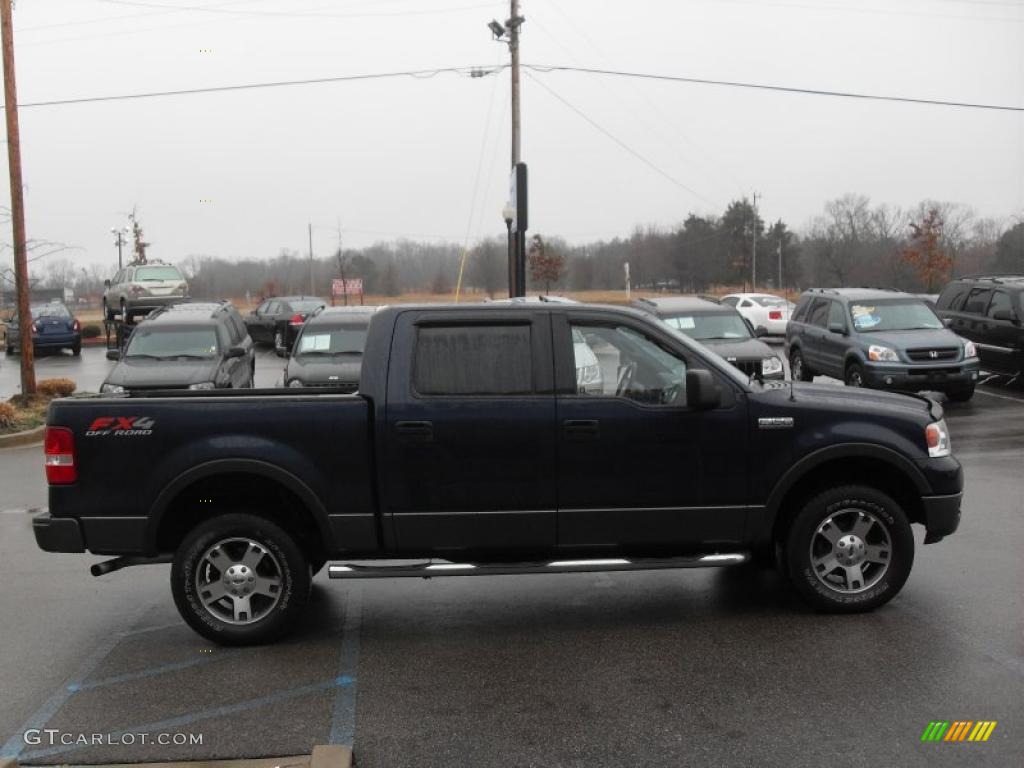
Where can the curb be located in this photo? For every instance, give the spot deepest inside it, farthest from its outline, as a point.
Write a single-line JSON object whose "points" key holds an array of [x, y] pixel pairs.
{"points": [[28, 437], [323, 757]]}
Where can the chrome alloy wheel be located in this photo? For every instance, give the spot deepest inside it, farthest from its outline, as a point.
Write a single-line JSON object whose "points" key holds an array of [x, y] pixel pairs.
{"points": [[851, 551], [238, 581]]}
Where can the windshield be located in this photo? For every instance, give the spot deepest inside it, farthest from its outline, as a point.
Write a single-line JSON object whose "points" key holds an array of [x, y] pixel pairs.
{"points": [[720, 325], [900, 316], [339, 340], [769, 301], [172, 342], [152, 274], [307, 305], [50, 310]]}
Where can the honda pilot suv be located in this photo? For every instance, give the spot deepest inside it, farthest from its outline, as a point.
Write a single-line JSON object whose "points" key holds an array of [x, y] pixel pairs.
{"points": [[141, 288], [881, 339]]}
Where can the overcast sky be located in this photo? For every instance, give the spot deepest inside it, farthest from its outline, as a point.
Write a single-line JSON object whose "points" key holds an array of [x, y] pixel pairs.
{"points": [[402, 157]]}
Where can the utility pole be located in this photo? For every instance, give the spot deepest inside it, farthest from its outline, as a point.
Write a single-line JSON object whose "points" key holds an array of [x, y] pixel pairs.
{"points": [[28, 371], [780, 260], [514, 21], [753, 251], [311, 291]]}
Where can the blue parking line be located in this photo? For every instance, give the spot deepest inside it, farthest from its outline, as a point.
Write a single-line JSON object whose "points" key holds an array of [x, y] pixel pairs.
{"points": [[205, 714], [150, 672], [343, 721], [15, 744]]}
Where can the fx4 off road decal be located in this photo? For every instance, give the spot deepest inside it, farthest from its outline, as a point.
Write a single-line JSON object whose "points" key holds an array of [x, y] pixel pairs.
{"points": [[121, 426]]}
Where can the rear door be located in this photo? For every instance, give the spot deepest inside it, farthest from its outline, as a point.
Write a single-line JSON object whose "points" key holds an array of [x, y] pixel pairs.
{"points": [[637, 469], [815, 328], [469, 446], [834, 343], [999, 341]]}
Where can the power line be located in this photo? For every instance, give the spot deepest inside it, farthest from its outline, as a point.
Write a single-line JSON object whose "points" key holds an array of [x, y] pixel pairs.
{"points": [[420, 74], [623, 144], [293, 14], [543, 69]]}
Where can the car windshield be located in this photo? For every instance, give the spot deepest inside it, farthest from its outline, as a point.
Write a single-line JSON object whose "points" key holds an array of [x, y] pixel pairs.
{"points": [[163, 343], [769, 301], [894, 316], [306, 305], [50, 310], [708, 327], [156, 274], [334, 341]]}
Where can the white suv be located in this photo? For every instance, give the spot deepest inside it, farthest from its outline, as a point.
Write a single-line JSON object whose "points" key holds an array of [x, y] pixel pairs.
{"points": [[141, 288]]}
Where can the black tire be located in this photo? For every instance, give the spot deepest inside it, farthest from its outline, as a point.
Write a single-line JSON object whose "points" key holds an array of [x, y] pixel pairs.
{"points": [[854, 376], [279, 344], [286, 559], [124, 311], [76, 349], [805, 543], [10, 350], [961, 395], [798, 369]]}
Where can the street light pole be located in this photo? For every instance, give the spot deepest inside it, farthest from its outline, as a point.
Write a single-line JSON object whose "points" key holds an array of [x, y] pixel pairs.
{"points": [[753, 251], [28, 371]]}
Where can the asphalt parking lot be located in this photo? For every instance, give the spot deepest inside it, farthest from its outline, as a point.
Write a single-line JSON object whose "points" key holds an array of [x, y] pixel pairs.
{"points": [[91, 369], [716, 667]]}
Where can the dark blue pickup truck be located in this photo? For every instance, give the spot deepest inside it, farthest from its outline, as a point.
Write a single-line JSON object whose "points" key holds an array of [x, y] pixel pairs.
{"points": [[482, 441]]}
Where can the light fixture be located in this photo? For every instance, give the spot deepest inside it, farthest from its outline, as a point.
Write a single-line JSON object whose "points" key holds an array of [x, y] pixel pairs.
{"points": [[508, 212], [497, 29]]}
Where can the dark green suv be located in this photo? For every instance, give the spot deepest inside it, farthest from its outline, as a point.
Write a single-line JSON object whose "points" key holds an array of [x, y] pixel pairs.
{"points": [[878, 338]]}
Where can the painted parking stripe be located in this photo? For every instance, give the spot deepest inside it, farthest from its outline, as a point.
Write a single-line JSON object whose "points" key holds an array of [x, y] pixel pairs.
{"points": [[194, 717], [151, 672], [343, 720]]}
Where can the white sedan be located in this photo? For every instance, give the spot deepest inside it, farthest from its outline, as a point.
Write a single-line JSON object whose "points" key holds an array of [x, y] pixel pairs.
{"points": [[767, 313]]}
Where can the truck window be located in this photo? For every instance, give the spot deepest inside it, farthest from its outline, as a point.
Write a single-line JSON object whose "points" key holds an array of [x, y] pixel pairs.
{"points": [[1000, 303], [629, 364], [836, 314], [977, 301], [951, 296], [473, 360], [819, 313]]}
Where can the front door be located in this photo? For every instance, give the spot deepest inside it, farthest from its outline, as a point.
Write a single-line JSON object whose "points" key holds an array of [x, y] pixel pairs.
{"points": [[638, 470], [469, 445]]}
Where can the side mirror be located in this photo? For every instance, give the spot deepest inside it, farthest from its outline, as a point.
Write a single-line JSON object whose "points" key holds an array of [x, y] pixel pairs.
{"points": [[106, 283], [701, 391], [114, 355], [235, 352], [837, 328], [947, 321]]}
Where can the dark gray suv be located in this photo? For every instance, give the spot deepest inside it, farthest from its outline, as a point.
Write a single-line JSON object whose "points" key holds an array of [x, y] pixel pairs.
{"points": [[878, 338]]}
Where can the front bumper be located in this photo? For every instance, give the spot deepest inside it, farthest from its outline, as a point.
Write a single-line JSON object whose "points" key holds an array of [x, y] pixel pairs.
{"points": [[941, 516], [914, 378], [57, 534]]}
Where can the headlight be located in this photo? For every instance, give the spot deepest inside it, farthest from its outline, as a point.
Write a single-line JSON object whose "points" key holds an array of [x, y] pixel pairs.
{"points": [[112, 389], [969, 349], [936, 436], [203, 385], [771, 365], [882, 354], [294, 383]]}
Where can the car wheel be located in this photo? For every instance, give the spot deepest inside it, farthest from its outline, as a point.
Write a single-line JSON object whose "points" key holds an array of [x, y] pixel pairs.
{"points": [[106, 311], [799, 371], [961, 395], [279, 347], [849, 549], [10, 350], [239, 579], [76, 349], [124, 311], [855, 375]]}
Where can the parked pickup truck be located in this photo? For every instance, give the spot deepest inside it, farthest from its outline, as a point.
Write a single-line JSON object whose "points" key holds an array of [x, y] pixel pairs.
{"points": [[471, 448]]}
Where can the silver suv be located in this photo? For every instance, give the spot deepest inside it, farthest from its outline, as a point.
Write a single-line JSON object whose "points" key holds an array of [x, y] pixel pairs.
{"points": [[139, 289]]}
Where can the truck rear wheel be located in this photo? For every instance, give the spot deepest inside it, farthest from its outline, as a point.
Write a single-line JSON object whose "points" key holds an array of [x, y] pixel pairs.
{"points": [[239, 579], [850, 549]]}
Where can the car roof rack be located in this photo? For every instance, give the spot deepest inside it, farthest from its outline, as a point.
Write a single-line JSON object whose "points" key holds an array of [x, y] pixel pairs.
{"points": [[832, 291], [998, 278]]}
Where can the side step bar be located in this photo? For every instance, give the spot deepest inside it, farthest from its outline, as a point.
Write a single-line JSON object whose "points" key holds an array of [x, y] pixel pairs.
{"points": [[430, 569]]}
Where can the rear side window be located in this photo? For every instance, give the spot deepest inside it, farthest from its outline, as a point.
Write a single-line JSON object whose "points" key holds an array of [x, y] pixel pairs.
{"points": [[819, 313], [1000, 303], [977, 301], [951, 296], [800, 313], [473, 360]]}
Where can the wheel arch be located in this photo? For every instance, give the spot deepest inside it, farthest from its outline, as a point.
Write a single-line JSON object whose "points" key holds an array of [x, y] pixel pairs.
{"points": [[862, 464], [176, 509]]}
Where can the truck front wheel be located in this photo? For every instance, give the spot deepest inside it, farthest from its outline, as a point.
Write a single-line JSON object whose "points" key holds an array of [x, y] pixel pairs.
{"points": [[239, 579], [850, 549]]}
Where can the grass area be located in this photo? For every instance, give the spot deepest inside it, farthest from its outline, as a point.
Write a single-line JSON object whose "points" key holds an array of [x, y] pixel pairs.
{"points": [[23, 412]]}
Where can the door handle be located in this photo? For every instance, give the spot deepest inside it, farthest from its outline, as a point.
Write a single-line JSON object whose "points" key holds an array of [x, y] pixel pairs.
{"points": [[415, 431], [581, 429]]}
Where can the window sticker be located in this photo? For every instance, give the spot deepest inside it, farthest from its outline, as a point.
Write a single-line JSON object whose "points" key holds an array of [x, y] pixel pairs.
{"points": [[683, 323], [315, 343], [864, 317]]}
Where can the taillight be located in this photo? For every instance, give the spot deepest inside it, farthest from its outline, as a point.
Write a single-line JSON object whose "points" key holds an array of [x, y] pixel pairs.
{"points": [[76, 326], [774, 314], [297, 319], [59, 449], [35, 328], [137, 290]]}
